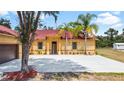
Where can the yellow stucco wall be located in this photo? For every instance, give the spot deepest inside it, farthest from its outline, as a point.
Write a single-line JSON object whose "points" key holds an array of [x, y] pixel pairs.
{"points": [[47, 46], [8, 39]]}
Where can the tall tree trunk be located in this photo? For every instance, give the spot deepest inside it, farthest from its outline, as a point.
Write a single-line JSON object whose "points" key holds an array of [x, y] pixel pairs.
{"points": [[85, 43], [25, 57]]}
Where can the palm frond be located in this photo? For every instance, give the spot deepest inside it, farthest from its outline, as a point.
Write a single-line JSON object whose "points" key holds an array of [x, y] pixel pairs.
{"points": [[52, 13], [85, 21], [94, 27]]}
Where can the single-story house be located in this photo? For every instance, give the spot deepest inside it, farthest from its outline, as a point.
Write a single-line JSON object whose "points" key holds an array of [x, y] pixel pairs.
{"points": [[52, 42], [46, 42]]}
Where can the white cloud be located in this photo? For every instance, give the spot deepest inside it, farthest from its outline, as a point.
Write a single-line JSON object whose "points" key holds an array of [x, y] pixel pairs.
{"points": [[116, 12], [42, 16], [14, 12], [107, 19], [119, 25], [107, 14], [3, 12]]}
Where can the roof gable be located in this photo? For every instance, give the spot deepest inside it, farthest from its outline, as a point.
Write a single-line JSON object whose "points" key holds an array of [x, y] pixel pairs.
{"points": [[7, 31], [43, 34]]}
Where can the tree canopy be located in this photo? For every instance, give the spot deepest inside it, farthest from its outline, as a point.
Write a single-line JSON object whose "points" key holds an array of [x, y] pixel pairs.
{"points": [[5, 22], [111, 37]]}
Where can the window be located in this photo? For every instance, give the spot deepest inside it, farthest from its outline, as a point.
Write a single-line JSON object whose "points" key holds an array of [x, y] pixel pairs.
{"points": [[74, 45], [40, 45]]}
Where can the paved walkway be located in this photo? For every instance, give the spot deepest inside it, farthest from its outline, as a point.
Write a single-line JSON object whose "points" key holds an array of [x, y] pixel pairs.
{"points": [[67, 63]]}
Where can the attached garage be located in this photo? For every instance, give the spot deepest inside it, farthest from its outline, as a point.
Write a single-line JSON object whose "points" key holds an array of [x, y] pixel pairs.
{"points": [[9, 45], [8, 52]]}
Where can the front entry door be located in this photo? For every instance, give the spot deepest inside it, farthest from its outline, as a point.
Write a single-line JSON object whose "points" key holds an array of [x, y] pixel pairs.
{"points": [[54, 47]]}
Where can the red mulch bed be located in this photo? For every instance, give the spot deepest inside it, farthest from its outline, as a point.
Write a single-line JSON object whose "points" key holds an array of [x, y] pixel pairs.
{"points": [[19, 76]]}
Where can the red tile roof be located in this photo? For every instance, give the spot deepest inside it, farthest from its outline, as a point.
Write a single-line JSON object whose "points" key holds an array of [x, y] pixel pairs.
{"points": [[42, 34], [8, 31]]}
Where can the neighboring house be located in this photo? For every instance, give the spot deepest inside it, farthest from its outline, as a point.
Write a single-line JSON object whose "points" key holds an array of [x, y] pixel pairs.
{"points": [[51, 42], [119, 46], [9, 45]]}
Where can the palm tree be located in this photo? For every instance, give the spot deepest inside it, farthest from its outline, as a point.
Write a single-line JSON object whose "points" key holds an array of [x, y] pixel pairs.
{"points": [[85, 21], [72, 27], [75, 28], [29, 21], [63, 29], [5, 22]]}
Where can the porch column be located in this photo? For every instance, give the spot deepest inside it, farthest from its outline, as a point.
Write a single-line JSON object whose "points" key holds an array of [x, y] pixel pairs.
{"points": [[20, 51], [47, 46], [59, 47]]}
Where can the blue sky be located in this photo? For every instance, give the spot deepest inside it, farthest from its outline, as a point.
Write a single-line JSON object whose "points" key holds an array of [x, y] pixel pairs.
{"points": [[105, 19]]}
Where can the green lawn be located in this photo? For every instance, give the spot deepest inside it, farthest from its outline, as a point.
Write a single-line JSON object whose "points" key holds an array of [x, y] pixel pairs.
{"points": [[79, 76], [110, 53]]}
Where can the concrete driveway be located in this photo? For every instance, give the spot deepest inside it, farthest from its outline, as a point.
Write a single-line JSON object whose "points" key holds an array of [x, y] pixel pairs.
{"points": [[67, 63]]}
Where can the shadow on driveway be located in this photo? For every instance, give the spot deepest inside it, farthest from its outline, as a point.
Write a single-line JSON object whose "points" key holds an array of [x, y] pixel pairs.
{"points": [[53, 65], [14, 65], [45, 65]]}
